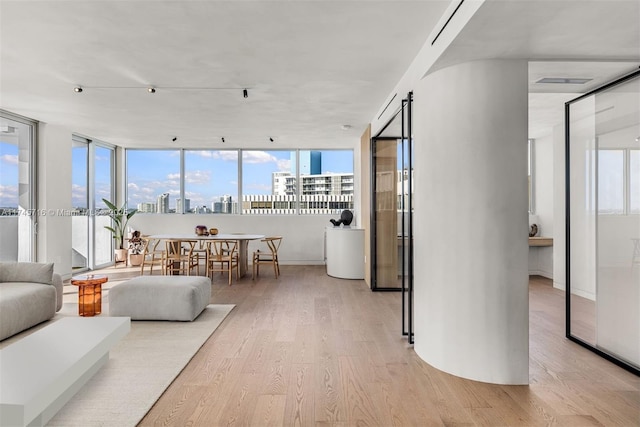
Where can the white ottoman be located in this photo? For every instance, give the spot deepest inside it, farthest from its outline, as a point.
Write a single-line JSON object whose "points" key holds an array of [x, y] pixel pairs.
{"points": [[160, 297]]}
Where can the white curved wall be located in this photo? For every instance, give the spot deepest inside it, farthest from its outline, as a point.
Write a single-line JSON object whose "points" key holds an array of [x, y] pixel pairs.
{"points": [[471, 247]]}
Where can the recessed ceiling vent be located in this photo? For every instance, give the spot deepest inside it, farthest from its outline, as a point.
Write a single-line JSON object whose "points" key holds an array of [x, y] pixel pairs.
{"points": [[564, 80]]}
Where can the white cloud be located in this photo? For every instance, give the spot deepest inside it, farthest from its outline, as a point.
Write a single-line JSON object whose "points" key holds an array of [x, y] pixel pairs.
{"points": [[11, 159], [226, 155], [229, 156], [256, 157], [8, 195], [78, 195], [284, 165], [132, 186], [197, 177]]}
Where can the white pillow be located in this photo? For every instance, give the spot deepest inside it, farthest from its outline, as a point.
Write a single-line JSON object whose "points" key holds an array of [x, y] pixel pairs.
{"points": [[34, 272]]}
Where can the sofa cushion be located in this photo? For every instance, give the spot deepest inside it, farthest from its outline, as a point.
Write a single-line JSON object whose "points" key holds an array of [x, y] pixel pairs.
{"points": [[23, 305], [34, 272]]}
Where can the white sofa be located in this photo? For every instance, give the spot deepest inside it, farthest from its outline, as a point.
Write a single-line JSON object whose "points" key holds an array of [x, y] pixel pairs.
{"points": [[30, 293]]}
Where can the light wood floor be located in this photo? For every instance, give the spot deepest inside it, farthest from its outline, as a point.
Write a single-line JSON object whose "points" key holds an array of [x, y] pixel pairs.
{"points": [[311, 350]]}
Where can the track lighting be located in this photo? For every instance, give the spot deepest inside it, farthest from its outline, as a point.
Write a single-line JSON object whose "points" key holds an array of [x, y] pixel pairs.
{"points": [[270, 139], [151, 90], [77, 89], [245, 93], [223, 139], [175, 138]]}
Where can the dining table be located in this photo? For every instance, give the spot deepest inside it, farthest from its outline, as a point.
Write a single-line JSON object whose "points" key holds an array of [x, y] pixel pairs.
{"points": [[242, 239]]}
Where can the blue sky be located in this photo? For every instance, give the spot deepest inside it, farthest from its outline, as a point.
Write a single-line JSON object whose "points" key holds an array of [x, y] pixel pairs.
{"points": [[8, 174]]}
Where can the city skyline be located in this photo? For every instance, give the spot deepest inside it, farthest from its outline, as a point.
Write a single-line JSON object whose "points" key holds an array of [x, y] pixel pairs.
{"points": [[213, 174]]}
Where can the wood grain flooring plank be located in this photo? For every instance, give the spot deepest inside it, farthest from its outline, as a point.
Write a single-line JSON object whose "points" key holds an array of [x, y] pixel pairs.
{"points": [[329, 395], [332, 349], [358, 392], [299, 410], [269, 411], [277, 369]]}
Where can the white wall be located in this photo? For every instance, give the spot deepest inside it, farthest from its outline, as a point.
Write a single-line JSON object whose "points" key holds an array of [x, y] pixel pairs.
{"points": [[54, 194], [9, 241], [303, 235], [541, 258], [559, 237]]}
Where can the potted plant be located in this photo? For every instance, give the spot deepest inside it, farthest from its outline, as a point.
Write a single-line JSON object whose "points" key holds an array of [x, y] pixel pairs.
{"points": [[120, 218], [136, 247]]}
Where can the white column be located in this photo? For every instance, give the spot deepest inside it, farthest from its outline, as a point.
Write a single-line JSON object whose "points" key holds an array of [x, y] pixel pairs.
{"points": [[54, 197], [471, 222]]}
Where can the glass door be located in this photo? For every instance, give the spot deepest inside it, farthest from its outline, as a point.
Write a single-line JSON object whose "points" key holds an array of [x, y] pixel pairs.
{"points": [[18, 216], [392, 211], [603, 221], [80, 205], [92, 181], [102, 188]]}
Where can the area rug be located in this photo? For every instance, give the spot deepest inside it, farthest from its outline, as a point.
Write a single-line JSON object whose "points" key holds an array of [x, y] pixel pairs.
{"points": [[140, 367]]}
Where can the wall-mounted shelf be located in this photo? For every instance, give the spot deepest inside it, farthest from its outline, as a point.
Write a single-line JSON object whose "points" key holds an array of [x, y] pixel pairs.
{"points": [[540, 241]]}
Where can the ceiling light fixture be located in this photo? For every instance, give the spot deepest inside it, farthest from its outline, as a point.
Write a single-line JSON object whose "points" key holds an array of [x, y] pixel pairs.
{"points": [[245, 93], [175, 138], [151, 90], [564, 80], [270, 139], [346, 127], [77, 89], [223, 139]]}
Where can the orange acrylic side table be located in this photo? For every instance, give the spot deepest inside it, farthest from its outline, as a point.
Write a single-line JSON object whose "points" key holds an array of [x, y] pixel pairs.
{"points": [[89, 293]]}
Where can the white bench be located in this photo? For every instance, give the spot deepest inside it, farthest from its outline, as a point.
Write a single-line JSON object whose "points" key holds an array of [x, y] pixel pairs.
{"points": [[42, 371]]}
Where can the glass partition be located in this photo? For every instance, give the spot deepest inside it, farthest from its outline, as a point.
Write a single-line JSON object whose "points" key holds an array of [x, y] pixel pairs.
{"points": [[603, 221], [392, 187]]}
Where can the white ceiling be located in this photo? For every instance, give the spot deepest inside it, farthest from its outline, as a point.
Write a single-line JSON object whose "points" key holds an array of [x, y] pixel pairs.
{"points": [[310, 67]]}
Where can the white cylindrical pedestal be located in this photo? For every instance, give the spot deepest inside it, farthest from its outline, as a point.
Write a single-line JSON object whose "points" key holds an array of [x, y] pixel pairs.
{"points": [[344, 249]]}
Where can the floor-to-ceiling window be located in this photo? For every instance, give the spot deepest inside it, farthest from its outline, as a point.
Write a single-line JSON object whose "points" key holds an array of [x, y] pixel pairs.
{"points": [[603, 221], [92, 181], [103, 188], [17, 188], [249, 182]]}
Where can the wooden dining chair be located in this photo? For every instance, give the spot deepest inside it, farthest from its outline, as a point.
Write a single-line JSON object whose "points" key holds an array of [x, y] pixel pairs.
{"points": [[270, 256], [151, 255], [222, 255], [180, 257]]}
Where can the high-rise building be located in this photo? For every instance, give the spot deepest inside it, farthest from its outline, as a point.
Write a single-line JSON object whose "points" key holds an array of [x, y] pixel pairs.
{"points": [[187, 205], [224, 205], [147, 207], [163, 203], [226, 202], [310, 162], [316, 184], [201, 210]]}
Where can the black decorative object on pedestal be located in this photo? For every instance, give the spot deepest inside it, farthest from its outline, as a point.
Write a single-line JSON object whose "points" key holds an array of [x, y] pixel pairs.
{"points": [[345, 219]]}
